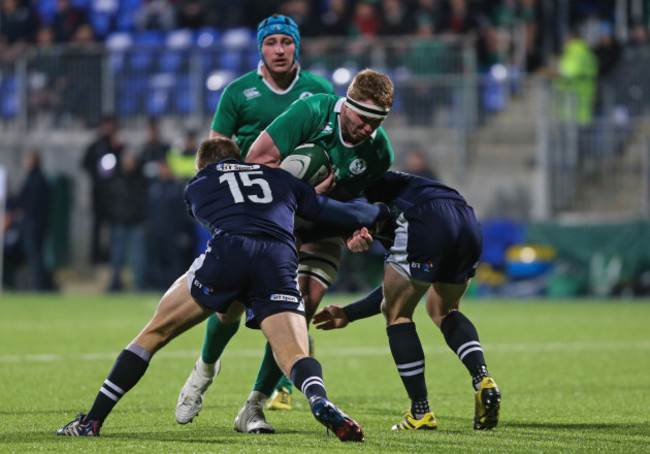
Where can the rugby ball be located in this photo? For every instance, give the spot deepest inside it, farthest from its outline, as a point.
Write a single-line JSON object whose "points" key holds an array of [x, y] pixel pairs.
{"points": [[309, 162]]}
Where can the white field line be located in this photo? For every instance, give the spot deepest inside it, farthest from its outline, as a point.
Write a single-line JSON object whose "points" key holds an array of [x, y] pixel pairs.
{"points": [[600, 346]]}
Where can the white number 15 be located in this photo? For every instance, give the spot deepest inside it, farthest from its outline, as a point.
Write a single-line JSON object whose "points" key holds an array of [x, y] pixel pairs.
{"points": [[247, 181]]}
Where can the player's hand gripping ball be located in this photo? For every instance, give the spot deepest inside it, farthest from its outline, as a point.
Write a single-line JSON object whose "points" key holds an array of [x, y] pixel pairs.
{"points": [[309, 162]]}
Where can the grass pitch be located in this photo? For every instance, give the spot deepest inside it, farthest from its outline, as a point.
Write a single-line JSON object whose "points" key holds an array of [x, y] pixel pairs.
{"points": [[573, 374]]}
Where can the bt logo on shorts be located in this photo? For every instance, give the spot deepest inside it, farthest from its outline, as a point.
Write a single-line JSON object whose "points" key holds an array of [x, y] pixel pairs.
{"points": [[207, 290], [426, 266], [280, 297]]}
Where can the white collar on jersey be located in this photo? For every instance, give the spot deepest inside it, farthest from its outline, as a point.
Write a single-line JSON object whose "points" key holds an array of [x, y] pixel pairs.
{"points": [[274, 90]]}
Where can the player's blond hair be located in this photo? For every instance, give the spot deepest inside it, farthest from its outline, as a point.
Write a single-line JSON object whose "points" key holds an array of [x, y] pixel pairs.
{"points": [[215, 149], [369, 85]]}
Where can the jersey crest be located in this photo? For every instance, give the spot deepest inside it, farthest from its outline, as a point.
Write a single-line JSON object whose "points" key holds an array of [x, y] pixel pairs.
{"points": [[358, 166]]}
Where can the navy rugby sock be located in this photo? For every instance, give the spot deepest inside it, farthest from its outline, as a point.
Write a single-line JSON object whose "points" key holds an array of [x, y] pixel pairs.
{"points": [[307, 376], [129, 367], [462, 338], [407, 352]]}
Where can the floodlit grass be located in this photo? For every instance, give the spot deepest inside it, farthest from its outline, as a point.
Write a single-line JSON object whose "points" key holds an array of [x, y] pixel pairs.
{"points": [[573, 374]]}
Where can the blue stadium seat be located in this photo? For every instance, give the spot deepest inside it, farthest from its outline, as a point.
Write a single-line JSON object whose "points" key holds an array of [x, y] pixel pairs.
{"points": [[102, 23], [184, 102], [237, 38], [173, 60], [149, 38], [175, 56], [125, 21], [158, 93], [140, 60], [9, 104], [206, 37], [47, 9], [119, 41], [130, 93], [231, 59]]}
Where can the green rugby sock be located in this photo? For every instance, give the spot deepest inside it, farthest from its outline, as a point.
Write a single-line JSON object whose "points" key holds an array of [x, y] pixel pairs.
{"points": [[285, 383], [269, 373], [217, 336]]}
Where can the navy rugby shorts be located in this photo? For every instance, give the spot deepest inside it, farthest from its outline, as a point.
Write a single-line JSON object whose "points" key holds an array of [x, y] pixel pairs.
{"points": [[257, 271], [437, 241]]}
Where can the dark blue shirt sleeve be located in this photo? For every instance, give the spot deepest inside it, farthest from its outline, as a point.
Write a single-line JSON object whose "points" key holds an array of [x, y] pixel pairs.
{"points": [[365, 307]]}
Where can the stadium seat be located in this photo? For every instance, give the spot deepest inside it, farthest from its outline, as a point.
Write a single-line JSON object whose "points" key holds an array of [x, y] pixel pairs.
{"points": [[130, 92], [206, 37], [175, 56], [237, 38], [47, 10], [184, 99], [230, 59], [119, 41], [9, 104], [158, 93], [102, 23]]}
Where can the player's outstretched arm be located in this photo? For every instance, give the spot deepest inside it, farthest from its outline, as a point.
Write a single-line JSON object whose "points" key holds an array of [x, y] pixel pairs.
{"points": [[335, 316]]}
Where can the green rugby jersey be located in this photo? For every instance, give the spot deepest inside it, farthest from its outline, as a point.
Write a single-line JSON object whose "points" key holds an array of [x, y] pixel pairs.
{"points": [[249, 104], [316, 120]]}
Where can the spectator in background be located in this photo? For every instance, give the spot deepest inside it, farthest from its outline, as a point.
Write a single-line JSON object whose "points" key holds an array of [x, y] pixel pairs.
{"points": [[32, 209], [170, 243], [417, 164], [126, 195], [335, 21], [18, 26], [577, 79], [461, 18], [191, 14], [12, 254], [101, 161], [301, 12], [48, 75], [67, 20], [19, 22], [395, 19], [428, 12], [365, 19], [181, 161], [156, 15], [154, 149]]}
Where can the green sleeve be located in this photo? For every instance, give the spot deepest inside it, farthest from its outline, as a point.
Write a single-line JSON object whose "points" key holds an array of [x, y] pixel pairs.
{"points": [[293, 127], [225, 118]]}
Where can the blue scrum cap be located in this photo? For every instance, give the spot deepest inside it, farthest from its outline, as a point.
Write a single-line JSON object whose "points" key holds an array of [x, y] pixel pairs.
{"points": [[278, 24]]}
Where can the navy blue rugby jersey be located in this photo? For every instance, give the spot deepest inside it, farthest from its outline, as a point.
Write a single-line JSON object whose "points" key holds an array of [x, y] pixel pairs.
{"points": [[403, 190], [253, 199]]}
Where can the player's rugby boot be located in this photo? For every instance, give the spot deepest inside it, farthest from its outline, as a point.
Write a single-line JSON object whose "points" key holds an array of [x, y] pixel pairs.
{"points": [[77, 428], [345, 428], [190, 400], [280, 400], [428, 422], [251, 417], [487, 405]]}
